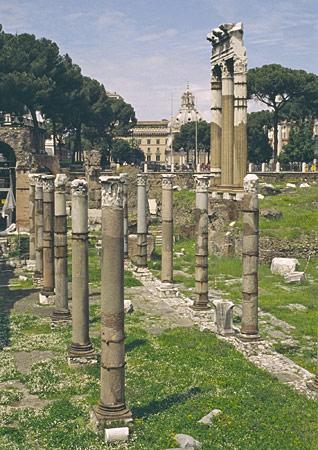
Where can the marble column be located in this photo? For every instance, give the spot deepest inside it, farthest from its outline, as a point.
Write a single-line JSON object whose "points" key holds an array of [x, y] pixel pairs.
{"points": [[201, 247], [142, 228], [81, 349], [240, 122], [47, 294], [124, 177], [250, 249], [216, 124], [112, 405], [61, 312], [38, 228], [32, 179], [227, 124], [167, 229]]}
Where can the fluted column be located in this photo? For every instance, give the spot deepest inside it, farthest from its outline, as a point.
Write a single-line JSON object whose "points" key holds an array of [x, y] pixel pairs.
{"points": [[227, 125], [216, 124], [61, 312], [250, 251], [142, 227], [124, 177], [201, 247], [240, 122], [167, 229], [32, 180], [38, 228], [81, 349], [112, 405]]}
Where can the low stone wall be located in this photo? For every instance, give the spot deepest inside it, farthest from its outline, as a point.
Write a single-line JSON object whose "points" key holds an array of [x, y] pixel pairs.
{"points": [[287, 177]]}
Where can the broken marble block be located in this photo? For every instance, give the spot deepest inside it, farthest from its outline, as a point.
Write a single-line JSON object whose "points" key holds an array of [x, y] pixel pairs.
{"points": [[116, 434], [128, 306], [294, 277], [224, 317], [186, 441], [207, 420], [281, 266]]}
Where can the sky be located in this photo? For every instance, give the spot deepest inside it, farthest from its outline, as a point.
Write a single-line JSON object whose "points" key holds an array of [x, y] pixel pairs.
{"points": [[147, 50]]}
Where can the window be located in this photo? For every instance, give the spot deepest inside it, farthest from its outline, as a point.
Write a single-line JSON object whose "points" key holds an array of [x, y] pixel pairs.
{"points": [[148, 141], [139, 141], [158, 141], [148, 158], [158, 158], [158, 149]]}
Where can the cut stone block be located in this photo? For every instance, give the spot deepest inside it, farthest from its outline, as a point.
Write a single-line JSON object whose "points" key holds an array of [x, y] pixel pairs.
{"points": [[207, 420], [281, 266], [224, 317], [186, 441], [294, 277], [116, 434], [153, 207], [128, 306]]}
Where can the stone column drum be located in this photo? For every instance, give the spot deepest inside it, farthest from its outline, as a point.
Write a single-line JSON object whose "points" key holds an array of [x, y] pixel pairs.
{"points": [[47, 294], [32, 179], [167, 229], [216, 123], [201, 247], [61, 312], [227, 124], [142, 228], [250, 251], [38, 228], [112, 405], [81, 350], [124, 177]]}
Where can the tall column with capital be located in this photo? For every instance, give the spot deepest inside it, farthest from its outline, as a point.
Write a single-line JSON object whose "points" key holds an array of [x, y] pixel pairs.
{"points": [[167, 229], [124, 177], [32, 180], [142, 227], [250, 209], [47, 294], [227, 124], [112, 405], [240, 122], [81, 349], [216, 123], [201, 247], [61, 312], [38, 196]]}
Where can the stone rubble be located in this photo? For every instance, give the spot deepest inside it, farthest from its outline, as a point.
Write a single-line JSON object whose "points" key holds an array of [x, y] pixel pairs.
{"points": [[208, 419], [186, 441]]}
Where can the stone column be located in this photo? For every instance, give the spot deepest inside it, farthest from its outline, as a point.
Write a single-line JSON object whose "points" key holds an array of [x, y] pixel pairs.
{"points": [[112, 405], [61, 312], [167, 229], [32, 179], [216, 123], [47, 294], [250, 210], [81, 350], [142, 227], [38, 228], [124, 177], [227, 125], [240, 122], [201, 247]]}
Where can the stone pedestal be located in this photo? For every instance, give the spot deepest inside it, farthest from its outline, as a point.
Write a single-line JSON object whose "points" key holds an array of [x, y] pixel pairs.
{"points": [[167, 229], [142, 227], [32, 179], [124, 177], [112, 406], [202, 243], [224, 317], [61, 312], [81, 350], [38, 274], [46, 296], [250, 249]]}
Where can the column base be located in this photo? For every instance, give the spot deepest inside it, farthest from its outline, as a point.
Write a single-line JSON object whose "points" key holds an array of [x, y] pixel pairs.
{"points": [[79, 355], [167, 288], [248, 337], [103, 415], [200, 307], [313, 384], [46, 298], [60, 316]]}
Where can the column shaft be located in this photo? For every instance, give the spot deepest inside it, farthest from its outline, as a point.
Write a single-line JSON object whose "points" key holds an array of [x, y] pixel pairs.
{"points": [[32, 218], [125, 212], [142, 227], [167, 229], [48, 235], [227, 126], [216, 124], [38, 227]]}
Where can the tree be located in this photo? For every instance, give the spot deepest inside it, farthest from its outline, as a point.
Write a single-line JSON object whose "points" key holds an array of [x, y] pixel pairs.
{"points": [[123, 152], [185, 139], [276, 86], [301, 146], [258, 123]]}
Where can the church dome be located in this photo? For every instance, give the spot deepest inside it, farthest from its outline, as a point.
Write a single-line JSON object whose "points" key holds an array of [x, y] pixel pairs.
{"points": [[187, 112]]}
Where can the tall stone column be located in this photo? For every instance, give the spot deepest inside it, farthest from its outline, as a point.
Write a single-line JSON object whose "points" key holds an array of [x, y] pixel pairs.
{"points": [[61, 311], [227, 124], [124, 177], [240, 122], [167, 229], [142, 227], [112, 405], [201, 247], [38, 228], [81, 349], [216, 123], [47, 294], [32, 179], [250, 210]]}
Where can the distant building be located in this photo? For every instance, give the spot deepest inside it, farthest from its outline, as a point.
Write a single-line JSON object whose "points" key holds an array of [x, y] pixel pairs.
{"points": [[283, 133]]}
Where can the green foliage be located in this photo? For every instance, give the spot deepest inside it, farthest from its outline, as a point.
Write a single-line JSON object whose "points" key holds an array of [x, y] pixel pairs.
{"points": [[259, 150], [301, 146], [123, 152], [186, 137]]}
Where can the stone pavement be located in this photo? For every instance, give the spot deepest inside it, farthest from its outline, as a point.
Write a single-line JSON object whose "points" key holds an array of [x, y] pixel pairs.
{"points": [[175, 309]]}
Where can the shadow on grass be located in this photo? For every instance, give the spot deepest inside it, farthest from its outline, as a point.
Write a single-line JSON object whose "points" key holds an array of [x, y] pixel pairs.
{"points": [[157, 406], [135, 344]]}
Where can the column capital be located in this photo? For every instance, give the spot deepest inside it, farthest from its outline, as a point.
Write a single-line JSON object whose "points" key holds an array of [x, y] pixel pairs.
{"points": [[33, 178], [60, 182], [167, 180], [240, 65], [124, 177], [226, 70], [141, 179], [48, 183], [201, 183], [251, 183], [112, 191], [79, 187]]}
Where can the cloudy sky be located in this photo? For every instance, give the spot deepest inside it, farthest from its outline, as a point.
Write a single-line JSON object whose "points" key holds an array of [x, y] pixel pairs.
{"points": [[147, 50]]}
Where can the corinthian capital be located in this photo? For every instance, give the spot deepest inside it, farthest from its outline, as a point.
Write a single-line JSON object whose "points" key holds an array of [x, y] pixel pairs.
{"points": [[141, 179], [240, 65], [79, 187], [201, 183], [48, 183], [60, 182], [112, 191], [250, 183], [167, 180], [227, 71]]}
